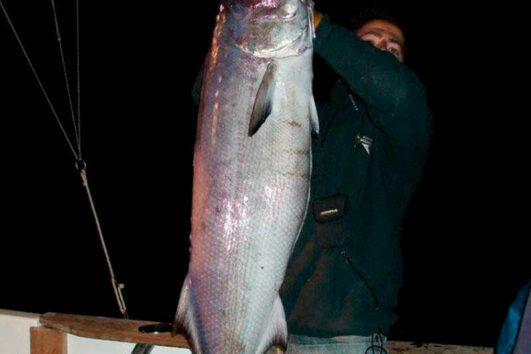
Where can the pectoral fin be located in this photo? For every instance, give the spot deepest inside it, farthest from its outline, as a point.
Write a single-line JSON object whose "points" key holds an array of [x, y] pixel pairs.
{"points": [[314, 119], [262, 104]]}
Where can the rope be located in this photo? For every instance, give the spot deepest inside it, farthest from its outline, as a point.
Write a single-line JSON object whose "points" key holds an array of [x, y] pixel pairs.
{"points": [[78, 80], [65, 73], [80, 164], [43, 90], [116, 286]]}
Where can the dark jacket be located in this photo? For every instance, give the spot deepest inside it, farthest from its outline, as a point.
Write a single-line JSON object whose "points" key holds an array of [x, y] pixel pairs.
{"points": [[345, 272], [346, 268]]}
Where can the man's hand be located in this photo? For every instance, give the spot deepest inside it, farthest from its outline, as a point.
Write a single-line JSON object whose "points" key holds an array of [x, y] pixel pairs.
{"points": [[317, 17]]}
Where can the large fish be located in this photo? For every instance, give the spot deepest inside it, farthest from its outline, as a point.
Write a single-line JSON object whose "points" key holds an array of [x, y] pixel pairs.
{"points": [[252, 166]]}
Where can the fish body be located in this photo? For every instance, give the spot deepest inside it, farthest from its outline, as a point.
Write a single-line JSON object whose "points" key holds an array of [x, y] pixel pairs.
{"points": [[252, 167]]}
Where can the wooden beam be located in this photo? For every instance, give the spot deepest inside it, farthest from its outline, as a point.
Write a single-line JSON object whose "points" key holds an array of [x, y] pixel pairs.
{"points": [[424, 348], [110, 329], [48, 341], [127, 331]]}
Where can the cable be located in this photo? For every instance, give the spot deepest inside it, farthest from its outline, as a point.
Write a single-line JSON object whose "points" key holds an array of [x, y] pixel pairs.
{"points": [[78, 81], [116, 286], [65, 73], [43, 90]]}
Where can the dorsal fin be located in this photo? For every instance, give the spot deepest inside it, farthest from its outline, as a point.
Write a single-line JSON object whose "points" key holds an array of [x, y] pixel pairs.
{"points": [[262, 103]]}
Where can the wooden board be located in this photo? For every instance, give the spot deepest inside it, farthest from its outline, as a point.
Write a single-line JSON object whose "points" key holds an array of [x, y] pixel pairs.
{"points": [[109, 329], [48, 341], [423, 348], [127, 331]]}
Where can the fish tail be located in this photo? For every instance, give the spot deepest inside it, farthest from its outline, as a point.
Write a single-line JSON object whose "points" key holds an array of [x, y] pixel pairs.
{"points": [[276, 334], [184, 319]]}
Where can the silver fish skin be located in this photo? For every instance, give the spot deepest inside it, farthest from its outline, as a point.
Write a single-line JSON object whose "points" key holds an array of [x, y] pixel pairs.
{"points": [[252, 167]]}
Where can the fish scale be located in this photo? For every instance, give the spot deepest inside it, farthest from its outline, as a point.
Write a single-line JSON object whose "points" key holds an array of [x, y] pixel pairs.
{"points": [[251, 181]]}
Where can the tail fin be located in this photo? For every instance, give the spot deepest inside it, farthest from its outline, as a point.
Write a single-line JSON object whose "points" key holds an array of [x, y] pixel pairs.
{"points": [[276, 333], [184, 319]]}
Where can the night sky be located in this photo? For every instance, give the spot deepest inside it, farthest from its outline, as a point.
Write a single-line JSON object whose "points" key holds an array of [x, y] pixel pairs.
{"points": [[463, 234]]}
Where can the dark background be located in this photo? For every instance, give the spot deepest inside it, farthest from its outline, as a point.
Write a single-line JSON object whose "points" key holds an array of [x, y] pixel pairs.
{"points": [[463, 240]]}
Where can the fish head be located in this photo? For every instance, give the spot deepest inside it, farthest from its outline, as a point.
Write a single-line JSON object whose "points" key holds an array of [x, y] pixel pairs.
{"points": [[270, 28]]}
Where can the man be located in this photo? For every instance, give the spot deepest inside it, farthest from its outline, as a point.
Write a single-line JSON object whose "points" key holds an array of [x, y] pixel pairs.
{"points": [[342, 281]]}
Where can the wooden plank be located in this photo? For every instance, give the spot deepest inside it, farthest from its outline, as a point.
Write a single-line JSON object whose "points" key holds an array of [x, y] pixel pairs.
{"points": [[127, 331], [48, 341], [418, 348], [110, 329]]}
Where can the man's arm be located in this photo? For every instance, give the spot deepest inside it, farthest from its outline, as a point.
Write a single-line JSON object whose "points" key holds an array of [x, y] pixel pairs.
{"points": [[382, 82], [395, 97]]}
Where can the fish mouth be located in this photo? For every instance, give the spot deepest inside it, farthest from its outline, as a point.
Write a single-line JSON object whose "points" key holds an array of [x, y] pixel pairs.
{"points": [[278, 33], [270, 52], [277, 18], [283, 15]]}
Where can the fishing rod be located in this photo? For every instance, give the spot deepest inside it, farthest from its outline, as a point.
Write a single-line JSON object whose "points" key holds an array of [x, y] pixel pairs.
{"points": [[80, 164]]}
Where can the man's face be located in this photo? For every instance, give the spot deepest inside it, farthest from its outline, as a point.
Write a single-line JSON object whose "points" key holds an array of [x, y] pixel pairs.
{"points": [[384, 36]]}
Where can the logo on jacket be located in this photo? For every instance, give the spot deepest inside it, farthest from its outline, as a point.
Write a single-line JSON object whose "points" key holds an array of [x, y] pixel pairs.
{"points": [[364, 141]]}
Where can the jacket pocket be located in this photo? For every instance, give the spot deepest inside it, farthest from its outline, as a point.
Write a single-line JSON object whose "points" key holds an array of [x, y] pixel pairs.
{"points": [[331, 226]]}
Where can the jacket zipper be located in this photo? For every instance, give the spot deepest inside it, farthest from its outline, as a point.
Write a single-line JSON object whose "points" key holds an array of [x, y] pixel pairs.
{"points": [[363, 279], [353, 101]]}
